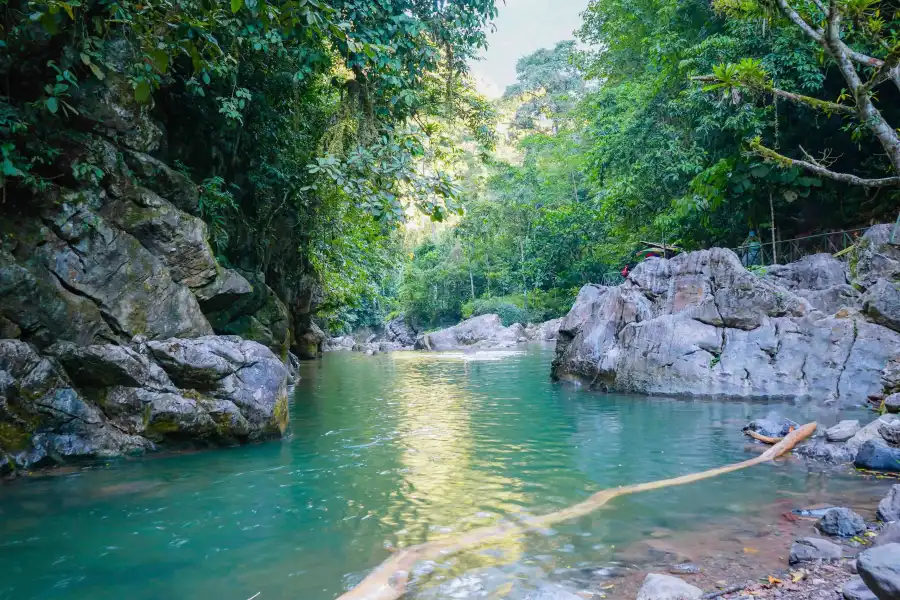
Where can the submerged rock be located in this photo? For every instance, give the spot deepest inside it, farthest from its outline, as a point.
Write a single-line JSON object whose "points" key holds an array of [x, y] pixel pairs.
{"points": [[841, 522], [811, 549], [667, 587], [772, 425], [879, 568], [700, 324]]}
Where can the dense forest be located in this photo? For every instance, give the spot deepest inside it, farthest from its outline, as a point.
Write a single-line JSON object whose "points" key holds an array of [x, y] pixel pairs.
{"points": [[343, 141]]}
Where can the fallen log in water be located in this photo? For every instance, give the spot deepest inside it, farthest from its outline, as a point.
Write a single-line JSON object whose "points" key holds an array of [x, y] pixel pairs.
{"points": [[763, 438], [388, 580]]}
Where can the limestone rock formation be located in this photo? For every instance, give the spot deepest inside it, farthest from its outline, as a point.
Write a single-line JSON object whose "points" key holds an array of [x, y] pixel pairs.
{"points": [[700, 324], [399, 330], [484, 331], [109, 296], [106, 400], [820, 278]]}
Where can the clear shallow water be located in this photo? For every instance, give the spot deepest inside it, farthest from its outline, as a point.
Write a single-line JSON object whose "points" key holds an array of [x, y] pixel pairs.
{"points": [[389, 451]]}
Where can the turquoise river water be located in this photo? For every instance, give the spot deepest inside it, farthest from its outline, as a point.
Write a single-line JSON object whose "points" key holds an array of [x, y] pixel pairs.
{"points": [[393, 450]]}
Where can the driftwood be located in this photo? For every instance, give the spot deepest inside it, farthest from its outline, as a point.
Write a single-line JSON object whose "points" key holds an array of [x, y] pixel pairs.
{"points": [[388, 580], [763, 438]]}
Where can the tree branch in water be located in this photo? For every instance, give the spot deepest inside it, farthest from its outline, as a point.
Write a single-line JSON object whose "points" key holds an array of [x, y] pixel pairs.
{"points": [[388, 581]]}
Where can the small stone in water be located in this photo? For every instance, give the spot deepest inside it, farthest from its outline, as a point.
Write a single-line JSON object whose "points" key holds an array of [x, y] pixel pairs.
{"points": [[684, 569]]}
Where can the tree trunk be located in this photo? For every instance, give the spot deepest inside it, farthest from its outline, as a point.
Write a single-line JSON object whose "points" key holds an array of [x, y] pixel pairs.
{"points": [[772, 223]]}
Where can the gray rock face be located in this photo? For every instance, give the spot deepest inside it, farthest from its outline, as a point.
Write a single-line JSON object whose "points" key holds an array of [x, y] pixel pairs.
{"points": [[877, 258], [870, 432], [484, 331], [889, 507], [843, 431], [815, 272], [821, 279], [879, 568], [810, 549], [667, 587], [890, 432], [400, 331], [544, 332], [881, 304], [841, 522], [259, 316], [44, 419], [856, 589], [878, 456], [166, 182], [133, 289], [890, 534], [701, 325], [892, 403], [109, 400]]}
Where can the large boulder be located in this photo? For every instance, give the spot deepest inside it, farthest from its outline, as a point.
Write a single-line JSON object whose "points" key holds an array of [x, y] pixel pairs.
{"points": [[871, 432], [881, 304], [44, 419], [878, 456], [879, 567], [106, 400], [702, 325], [876, 257], [243, 372], [399, 330], [484, 331], [889, 507], [544, 332], [814, 272]]}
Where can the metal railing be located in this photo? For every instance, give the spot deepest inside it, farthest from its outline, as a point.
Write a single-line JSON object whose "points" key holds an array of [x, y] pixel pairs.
{"points": [[787, 251]]}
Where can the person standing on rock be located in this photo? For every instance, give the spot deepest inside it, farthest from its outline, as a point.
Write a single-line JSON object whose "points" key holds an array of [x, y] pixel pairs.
{"points": [[751, 248]]}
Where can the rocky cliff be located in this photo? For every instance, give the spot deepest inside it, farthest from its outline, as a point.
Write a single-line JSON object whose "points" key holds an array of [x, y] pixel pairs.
{"points": [[110, 299], [701, 325]]}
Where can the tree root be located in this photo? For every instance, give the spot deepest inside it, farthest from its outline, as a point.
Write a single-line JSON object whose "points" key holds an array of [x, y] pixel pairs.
{"points": [[388, 580]]}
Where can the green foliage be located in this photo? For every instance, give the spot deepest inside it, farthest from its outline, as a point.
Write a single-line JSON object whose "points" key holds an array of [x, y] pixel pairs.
{"points": [[308, 123]]}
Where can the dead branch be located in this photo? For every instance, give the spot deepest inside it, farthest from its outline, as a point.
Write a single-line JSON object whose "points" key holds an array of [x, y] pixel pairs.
{"points": [[388, 580]]}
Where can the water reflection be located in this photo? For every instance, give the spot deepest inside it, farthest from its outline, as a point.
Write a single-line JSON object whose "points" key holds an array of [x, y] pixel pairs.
{"points": [[394, 450]]}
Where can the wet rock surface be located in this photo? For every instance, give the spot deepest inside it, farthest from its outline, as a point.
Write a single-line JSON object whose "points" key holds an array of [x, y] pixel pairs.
{"points": [[109, 400]]}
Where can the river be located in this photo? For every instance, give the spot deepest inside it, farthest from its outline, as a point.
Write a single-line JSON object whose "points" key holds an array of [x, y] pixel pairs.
{"points": [[394, 450]]}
